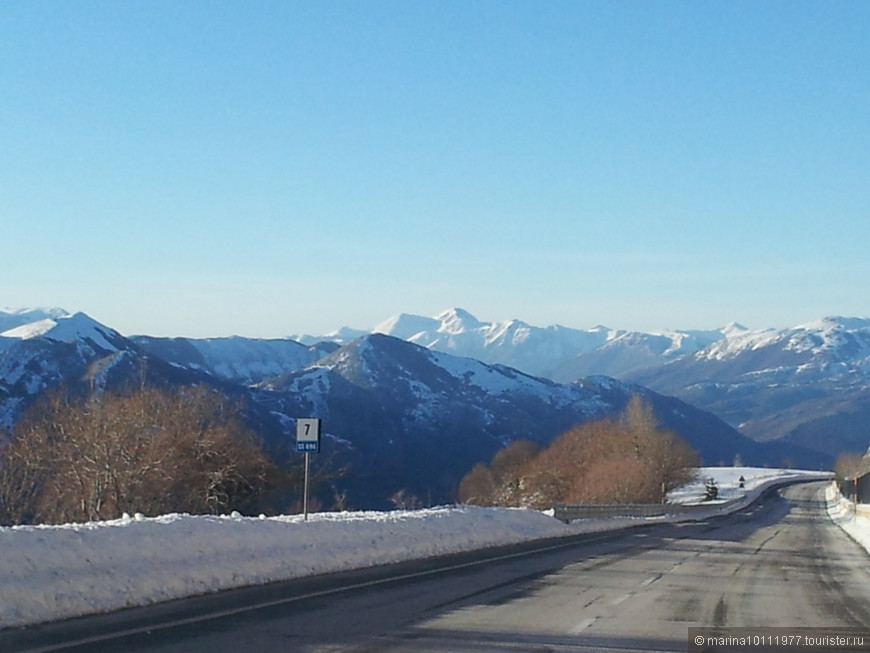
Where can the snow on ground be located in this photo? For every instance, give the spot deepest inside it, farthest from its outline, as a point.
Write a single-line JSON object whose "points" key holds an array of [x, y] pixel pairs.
{"points": [[852, 518], [728, 481], [55, 572]]}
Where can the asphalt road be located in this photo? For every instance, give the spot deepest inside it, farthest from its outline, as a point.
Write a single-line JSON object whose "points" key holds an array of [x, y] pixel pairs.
{"points": [[781, 562]]}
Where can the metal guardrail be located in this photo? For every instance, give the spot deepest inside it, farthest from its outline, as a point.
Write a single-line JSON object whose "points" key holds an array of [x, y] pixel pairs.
{"points": [[569, 512]]}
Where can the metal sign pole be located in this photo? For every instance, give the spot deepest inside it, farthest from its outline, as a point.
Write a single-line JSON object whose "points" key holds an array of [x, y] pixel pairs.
{"points": [[305, 492], [307, 441]]}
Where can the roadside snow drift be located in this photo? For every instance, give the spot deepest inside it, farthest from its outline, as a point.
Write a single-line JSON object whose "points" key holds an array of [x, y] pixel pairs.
{"points": [[852, 518], [56, 572]]}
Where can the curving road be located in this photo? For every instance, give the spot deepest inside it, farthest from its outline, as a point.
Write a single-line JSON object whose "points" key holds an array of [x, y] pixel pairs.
{"points": [[781, 562]]}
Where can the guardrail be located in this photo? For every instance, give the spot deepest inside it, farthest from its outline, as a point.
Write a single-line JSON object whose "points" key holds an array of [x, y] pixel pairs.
{"points": [[569, 512]]}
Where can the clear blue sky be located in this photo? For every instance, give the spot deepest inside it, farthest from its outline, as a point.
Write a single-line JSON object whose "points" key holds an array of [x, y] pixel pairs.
{"points": [[206, 168]]}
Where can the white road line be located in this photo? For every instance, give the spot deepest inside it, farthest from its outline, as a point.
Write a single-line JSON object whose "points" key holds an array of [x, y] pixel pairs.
{"points": [[583, 625], [620, 599], [650, 580]]}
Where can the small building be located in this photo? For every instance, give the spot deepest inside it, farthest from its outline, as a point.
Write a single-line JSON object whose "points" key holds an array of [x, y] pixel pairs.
{"points": [[855, 486]]}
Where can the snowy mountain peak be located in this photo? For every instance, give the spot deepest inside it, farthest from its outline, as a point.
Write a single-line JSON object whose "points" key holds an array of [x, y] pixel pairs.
{"points": [[836, 322], [733, 328], [341, 336], [457, 320], [68, 328], [344, 334], [30, 329], [406, 326], [15, 317]]}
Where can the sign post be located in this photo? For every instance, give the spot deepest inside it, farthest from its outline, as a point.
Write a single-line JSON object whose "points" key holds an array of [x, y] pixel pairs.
{"points": [[307, 441]]}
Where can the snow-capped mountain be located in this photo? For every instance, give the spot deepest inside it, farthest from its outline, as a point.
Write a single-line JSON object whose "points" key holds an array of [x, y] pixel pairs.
{"points": [[809, 384], [342, 336], [240, 360], [11, 318], [406, 415], [448, 390], [535, 350], [76, 328], [54, 350], [632, 352], [418, 419], [81, 354], [838, 341], [557, 352]]}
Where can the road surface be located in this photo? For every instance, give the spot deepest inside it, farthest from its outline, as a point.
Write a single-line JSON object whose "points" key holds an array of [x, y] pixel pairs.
{"points": [[780, 562]]}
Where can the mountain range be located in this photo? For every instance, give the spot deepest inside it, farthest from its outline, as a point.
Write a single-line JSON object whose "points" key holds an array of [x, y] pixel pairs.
{"points": [[411, 405], [807, 385]]}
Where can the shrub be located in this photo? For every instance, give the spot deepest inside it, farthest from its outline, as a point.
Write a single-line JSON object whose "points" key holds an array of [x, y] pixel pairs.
{"points": [[629, 460]]}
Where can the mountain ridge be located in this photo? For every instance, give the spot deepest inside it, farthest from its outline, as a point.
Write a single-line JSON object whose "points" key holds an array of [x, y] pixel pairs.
{"points": [[808, 384], [402, 406], [403, 416], [793, 385]]}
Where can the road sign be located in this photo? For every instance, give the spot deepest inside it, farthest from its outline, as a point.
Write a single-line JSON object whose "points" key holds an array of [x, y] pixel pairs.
{"points": [[308, 435], [308, 442]]}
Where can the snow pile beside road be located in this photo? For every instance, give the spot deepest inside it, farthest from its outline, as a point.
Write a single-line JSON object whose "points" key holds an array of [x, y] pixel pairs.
{"points": [[848, 516], [55, 572], [728, 481], [60, 571]]}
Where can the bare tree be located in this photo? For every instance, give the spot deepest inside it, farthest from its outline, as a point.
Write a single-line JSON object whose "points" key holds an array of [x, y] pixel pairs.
{"points": [[627, 460], [150, 451], [478, 486]]}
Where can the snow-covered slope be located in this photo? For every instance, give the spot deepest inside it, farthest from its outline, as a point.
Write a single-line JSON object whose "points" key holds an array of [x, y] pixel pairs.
{"points": [[240, 360], [14, 317], [816, 346], [809, 384], [78, 353], [557, 352], [57, 572], [630, 353], [534, 350], [341, 336], [69, 328], [423, 418], [55, 350]]}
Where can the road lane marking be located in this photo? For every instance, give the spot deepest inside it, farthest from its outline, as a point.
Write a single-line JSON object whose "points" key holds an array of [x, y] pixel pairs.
{"points": [[620, 599], [583, 625], [650, 580], [591, 602]]}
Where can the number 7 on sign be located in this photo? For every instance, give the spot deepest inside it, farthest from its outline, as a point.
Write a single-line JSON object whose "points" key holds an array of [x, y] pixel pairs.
{"points": [[308, 435]]}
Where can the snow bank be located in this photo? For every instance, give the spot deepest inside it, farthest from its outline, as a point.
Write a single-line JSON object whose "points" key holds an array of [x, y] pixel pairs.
{"points": [[852, 518], [756, 479], [55, 572]]}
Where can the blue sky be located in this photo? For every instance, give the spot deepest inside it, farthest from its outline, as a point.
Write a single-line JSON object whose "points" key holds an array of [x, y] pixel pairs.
{"points": [[267, 168]]}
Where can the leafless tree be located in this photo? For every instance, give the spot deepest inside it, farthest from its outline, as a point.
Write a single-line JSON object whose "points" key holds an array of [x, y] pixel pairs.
{"points": [[627, 460], [478, 486], [151, 451]]}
